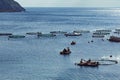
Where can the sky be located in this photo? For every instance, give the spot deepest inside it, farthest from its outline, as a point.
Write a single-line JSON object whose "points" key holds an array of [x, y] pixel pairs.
{"points": [[69, 3]]}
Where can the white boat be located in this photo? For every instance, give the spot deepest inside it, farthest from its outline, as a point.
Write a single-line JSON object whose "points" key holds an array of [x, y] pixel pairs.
{"points": [[73, 34]]}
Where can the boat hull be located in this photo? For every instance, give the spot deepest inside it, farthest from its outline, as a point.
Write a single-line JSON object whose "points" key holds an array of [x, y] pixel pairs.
{"points": [[72, 34], [33, 33], [65, 53], [5, 34], [114, 39], [17, 36], [91, 64]]}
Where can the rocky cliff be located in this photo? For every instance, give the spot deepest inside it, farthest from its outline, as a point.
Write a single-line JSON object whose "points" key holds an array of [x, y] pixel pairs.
{"points": [[10, 6]]}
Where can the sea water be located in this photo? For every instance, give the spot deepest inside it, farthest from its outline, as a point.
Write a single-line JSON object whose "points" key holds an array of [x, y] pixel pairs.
{"points": [[35, 58]]}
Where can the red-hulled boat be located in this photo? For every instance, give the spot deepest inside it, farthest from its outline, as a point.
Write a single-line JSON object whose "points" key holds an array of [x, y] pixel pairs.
{"points": [[114, 39], [90, 64]]}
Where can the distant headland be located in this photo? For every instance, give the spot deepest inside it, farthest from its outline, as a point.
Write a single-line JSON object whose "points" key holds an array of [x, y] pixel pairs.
{"points": [[10, 6]]}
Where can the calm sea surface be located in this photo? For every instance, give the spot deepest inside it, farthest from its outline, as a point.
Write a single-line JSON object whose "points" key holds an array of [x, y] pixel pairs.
{"points": [[39, 59]]}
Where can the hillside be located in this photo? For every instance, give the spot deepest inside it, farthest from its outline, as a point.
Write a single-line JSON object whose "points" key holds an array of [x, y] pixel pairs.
{"points": [[10, 6]]}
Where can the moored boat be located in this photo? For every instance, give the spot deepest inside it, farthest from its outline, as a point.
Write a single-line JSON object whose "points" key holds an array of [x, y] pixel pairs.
{"points": [[81, 31], [98, 36], [34, 33], [58, 32], [101, 33], [103, 30], [5, 34], [16, 36], [73, 34], [118, 30], [46, 35], [114, 39]]}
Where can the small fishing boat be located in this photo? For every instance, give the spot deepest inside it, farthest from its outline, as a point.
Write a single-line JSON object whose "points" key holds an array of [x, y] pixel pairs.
{"points": [[96, 63], [16, 36], [88, 63], [118, 30], [101, 33], [46, 35], [73, 34], [81, 31], [103, 30], [98, 36], [34, 33], [73, 43], [114, 39], [58, 32], [5, 34], [65, 51]]}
